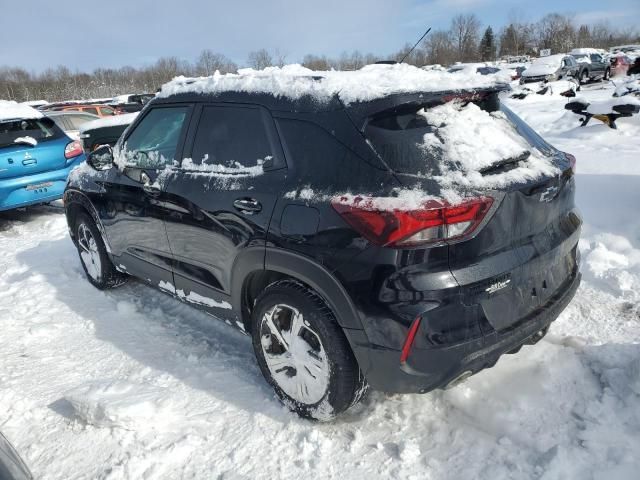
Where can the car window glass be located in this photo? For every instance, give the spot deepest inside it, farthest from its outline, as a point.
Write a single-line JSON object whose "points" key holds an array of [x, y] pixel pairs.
{"points": [[93, 110], [595, 57], [230, 137], [76, 120], [106, 111], [154, 141], [40, 130]]}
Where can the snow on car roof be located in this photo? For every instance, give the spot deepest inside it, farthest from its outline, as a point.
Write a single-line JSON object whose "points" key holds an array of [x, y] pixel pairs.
{"points": [[10, 110], [369, 83], [549, 60], [112, 121]]}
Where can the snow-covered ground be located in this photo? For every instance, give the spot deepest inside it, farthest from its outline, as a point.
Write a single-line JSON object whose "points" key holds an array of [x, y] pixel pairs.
{"points": [[131, 384]]}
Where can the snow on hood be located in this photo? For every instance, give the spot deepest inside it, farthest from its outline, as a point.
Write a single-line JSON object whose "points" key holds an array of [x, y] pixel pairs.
{"points": [[544, 66], [124, 119], [368, 83], [10, 110]]}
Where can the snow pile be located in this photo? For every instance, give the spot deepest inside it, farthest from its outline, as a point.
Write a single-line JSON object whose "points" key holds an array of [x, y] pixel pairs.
{"points": [[112, 121], [631, 86], [604, 107], [469, 139], [10, 110], [368, 83], [121, 404]]}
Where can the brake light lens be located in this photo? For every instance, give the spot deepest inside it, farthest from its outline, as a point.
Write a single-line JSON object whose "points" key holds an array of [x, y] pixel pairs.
{"points": [[397, 227], [572, 161], [408, 342], [73, 149]]}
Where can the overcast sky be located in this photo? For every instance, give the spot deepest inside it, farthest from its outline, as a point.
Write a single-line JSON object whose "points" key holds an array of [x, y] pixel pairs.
{"points": [[86, 34]]}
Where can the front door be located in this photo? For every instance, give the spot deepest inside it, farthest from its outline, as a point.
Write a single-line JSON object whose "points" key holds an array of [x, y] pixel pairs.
{"points": [[222, 196], [133, 207]]}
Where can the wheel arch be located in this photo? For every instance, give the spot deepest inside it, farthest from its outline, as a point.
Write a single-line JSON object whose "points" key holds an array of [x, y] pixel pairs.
{"points": [[257, 268], [76, 202]]}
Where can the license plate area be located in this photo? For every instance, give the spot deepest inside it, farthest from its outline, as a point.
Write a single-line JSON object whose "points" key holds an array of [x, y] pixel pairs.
{"points": [[529, 289]]}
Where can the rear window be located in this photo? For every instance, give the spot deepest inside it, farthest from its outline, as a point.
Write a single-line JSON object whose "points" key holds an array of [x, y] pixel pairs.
{"points": [[39, 129], [459, 135]]}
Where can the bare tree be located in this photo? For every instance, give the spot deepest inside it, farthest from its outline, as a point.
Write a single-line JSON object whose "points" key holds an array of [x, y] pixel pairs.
{"points": [[208, 62], [260, 59], [464, 32]]}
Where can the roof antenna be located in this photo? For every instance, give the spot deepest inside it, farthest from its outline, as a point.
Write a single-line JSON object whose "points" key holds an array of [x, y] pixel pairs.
{"points": [[417, 43]]}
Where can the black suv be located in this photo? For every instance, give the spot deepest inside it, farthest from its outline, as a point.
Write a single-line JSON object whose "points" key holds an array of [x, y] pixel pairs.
{"points": [[290, 219]]}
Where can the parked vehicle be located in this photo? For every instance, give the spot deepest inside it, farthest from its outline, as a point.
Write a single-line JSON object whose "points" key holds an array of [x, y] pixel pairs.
{"points": [[12, 467], [94, 109], [338, 290], [35, 157], [132, 102], [553, 67], [594, 64], [71, 121], [104, 131], [620, 64]]}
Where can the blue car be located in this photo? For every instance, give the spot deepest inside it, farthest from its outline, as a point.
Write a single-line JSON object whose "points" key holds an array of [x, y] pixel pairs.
{"points": [[36, 157]]}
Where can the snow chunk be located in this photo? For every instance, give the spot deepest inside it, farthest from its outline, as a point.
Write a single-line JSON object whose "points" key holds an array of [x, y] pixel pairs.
{"points": [[29, 140], [368, 83], [121, 404], [194, 297], [10, 110], [233, 167], [113, 121]]}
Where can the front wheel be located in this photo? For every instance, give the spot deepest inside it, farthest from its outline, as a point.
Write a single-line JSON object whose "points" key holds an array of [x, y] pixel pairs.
{"points": [[607, 74], [303, 353], [96, 264], [584, 77]]}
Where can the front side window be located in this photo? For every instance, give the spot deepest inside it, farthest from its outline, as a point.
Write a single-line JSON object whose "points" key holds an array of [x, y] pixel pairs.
{"points": [[229, 139], [106, 111], [93, 110], [154, 141]]}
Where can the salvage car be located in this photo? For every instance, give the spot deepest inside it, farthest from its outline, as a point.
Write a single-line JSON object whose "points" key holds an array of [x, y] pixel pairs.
{"points": [[336, 218], [551, 68]]}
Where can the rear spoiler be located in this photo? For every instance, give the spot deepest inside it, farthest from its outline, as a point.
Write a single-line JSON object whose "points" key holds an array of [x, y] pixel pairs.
{"points": [[361, 112]]}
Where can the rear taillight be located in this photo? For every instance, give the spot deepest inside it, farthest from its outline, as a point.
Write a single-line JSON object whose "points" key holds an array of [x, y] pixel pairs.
{"points": [[433, 222], [572, 161], [73, 149]]}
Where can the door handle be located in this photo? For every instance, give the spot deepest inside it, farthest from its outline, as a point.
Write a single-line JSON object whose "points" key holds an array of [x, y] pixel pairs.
{"points": [[247, 205]]}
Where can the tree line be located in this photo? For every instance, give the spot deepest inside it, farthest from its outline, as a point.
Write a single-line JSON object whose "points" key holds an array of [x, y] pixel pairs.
{"points": [[464, 41]]}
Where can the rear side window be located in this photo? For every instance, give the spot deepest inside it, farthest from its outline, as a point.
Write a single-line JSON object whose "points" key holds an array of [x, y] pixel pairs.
{"points": [[233, 137], [106, 111], [420, 142], [77, 120], [154, 141], [39, 129]]}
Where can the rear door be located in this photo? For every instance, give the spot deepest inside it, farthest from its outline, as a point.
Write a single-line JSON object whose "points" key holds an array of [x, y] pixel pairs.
{"points": [[31, 146], [221, 198], [132, 206], [598, 64]]}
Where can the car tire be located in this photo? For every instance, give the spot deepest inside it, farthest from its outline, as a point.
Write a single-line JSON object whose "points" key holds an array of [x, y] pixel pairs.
{"points": [[584, 77], [303, 352], [95, 261], [607, 74]]}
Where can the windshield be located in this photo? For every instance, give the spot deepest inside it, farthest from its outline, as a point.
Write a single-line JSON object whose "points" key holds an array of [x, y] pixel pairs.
{"points": [[457, 135], [28, 131]]}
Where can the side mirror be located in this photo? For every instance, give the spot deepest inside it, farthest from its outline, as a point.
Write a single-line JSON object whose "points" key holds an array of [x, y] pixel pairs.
{"points": [[101, 158]]}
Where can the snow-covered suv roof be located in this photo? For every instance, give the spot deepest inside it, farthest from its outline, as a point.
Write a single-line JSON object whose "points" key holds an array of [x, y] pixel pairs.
{"points": [[369, 83]]}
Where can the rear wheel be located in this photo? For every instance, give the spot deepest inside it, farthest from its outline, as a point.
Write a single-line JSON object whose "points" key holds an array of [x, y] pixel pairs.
{"points": [[607, 74], [96, 264], [303, 353], [584, 76]]}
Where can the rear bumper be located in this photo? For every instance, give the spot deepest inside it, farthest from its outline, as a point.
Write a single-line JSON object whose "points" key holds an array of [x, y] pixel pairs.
{"points": [[37, 188], [430, 368]]}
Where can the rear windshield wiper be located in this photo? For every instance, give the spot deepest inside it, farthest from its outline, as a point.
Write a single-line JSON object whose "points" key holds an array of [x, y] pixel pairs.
{"points": [[506, 164]]}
